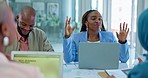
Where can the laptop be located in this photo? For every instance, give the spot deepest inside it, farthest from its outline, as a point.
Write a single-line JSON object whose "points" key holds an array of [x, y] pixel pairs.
{"points": [[103, 55], [50, 63]]}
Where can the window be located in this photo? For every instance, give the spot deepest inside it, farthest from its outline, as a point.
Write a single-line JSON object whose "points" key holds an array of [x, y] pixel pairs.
{"points": [[116, 12], [125, 11], [97, 5]]}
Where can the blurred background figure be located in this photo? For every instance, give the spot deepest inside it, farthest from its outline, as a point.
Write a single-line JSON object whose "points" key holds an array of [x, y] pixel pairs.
{"points": [[10, 69], [140, 71]]}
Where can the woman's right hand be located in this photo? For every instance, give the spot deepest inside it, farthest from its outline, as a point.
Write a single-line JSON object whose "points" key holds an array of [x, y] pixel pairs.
{"points": [[68, 28]]}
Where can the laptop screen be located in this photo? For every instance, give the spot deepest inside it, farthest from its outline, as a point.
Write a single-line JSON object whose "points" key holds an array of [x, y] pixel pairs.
{"points": [[103, 55], [50, 63]]}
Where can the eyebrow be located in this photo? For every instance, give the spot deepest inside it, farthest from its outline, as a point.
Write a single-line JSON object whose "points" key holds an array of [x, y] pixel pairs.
{"points": [[25, 23], [96, 16]]}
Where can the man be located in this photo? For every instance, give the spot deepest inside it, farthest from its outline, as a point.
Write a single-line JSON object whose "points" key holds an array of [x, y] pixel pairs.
{"points": [[29, 38]]}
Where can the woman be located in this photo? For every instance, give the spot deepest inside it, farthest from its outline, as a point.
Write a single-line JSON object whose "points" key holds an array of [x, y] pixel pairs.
{"points": [[92, 30], [7, 35]]}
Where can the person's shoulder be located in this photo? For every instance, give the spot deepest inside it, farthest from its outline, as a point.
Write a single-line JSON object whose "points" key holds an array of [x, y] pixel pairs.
{"points": [[35, 29], [143, 66], [78, 36], [80, 33], [3, 58], [38, 31], [140, 70]]}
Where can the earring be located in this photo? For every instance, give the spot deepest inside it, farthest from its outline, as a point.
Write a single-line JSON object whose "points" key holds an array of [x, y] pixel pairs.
{"points": [[5, 41], [86, 27]]}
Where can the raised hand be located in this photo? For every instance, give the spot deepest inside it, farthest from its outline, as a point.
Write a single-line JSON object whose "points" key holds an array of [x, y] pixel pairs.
{"points": [[68, 28], [122, 35]]}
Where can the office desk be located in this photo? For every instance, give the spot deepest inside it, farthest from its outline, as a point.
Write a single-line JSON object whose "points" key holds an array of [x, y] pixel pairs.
{"points": [[72, 71]]}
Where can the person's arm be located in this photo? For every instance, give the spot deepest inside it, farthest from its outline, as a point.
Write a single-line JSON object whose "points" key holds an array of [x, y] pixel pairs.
{"points": [[22, 71], [122, 39], [124, 53], [46, 44], [68, 43], [68, 49]]}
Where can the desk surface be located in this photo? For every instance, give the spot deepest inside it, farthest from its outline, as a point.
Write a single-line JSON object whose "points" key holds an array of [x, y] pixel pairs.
{"points": [[72, 71]]}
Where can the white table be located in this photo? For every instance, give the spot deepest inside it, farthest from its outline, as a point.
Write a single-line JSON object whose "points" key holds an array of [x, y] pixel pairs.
{"points": [[72, 71]]}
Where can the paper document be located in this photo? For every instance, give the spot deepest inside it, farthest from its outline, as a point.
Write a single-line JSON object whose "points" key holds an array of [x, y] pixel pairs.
{"points": [[81, 73], [117, 73]]}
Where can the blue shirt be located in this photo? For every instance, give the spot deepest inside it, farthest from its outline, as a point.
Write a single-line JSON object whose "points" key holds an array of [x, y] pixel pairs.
{"points": [[71, 45]]}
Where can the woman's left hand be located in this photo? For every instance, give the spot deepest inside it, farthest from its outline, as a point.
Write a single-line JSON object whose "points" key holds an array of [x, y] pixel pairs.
{"points": [[122, 35]]}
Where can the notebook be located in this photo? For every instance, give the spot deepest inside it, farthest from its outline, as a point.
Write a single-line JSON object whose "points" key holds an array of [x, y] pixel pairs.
{"points": [[50, 63], [126, 71], [101, 55]]}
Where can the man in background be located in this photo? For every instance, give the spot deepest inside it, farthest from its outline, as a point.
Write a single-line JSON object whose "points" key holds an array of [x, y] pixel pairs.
{"points": [[29, 38]]}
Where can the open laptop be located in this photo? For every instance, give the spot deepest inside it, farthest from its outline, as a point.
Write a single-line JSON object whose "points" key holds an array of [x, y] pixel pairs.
{"points": [[50, 63], [101, 55]]}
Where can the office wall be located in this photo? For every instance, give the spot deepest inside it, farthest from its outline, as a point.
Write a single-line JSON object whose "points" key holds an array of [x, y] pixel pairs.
{"points": [[44, 20], [17, 4]]}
